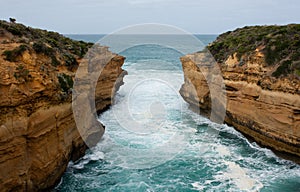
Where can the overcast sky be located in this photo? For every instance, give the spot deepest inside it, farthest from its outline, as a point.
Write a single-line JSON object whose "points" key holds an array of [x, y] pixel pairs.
{"points": [[194, 16]]}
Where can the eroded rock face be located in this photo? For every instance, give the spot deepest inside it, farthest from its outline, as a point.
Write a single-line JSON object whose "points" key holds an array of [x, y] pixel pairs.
{"points": [[38, 134], [259, 105]]}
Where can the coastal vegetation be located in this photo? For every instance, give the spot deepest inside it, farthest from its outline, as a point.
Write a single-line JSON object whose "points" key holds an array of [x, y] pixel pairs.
{"points": [[280, 46], [51, 39], [66, 82], [50, 50]]}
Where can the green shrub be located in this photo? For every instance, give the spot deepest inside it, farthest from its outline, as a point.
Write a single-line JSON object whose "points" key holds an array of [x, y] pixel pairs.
{"points": [[13, 29], [65, 81], [70, 60], [54, 61], [296, 55], [9, 55], [12, 55], [53, 42], [270, 55], [283, 69], [40, 47]]}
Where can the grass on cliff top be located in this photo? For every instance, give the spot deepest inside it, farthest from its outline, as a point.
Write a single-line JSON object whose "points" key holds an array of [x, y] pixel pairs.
{"points": [[55, 40], [281, 45]]}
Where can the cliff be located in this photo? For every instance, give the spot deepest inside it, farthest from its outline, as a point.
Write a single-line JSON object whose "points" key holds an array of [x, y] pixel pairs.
{"points": [[38, 133], [260, 67]]}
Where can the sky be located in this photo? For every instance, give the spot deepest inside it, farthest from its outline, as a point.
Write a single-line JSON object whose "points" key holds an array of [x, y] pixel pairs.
{"points": [[193, 16]]}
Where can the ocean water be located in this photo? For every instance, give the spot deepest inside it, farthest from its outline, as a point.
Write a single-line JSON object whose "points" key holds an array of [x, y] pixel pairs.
{"points": [[153, 142]]}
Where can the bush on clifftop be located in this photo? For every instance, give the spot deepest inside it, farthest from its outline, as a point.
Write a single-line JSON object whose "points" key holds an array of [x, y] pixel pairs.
{"points": [[55, 40], [279, 43]]}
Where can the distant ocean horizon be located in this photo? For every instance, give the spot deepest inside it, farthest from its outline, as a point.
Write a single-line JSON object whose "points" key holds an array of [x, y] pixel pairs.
{"points": [[204, 38]]}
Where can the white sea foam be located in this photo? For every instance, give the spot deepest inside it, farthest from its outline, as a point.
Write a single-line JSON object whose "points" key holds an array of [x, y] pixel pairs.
{"points": [[198, 186], [81, 164], [95, 155], [222, 150], [239, 177]]}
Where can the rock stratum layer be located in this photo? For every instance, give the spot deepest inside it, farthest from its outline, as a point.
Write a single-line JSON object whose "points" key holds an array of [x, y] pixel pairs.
{"points": [[260, 67], [38, 133]]}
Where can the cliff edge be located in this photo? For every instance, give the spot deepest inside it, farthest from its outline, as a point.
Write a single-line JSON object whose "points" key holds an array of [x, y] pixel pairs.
{"points": [[38, 134], [260, 66]]}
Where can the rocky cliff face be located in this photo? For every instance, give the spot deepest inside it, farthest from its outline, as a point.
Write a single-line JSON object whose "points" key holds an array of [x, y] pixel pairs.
{"points": [[38, 133], [262, 84]]}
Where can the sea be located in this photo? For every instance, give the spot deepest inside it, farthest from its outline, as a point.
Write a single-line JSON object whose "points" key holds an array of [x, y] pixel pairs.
{"points": [[154, 142]]}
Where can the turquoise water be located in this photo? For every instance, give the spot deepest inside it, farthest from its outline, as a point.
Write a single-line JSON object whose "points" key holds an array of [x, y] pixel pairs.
{"points": [[153, 142]]}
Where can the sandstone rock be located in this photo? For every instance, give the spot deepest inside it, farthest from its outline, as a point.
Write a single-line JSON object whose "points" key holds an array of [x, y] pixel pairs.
{"points": [[259, 68], [268, 114], [38, 133]]}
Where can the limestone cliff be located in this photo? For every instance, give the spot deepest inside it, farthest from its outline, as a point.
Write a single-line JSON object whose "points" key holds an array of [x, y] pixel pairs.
{"points": [[38, 134], [260, 68]]}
